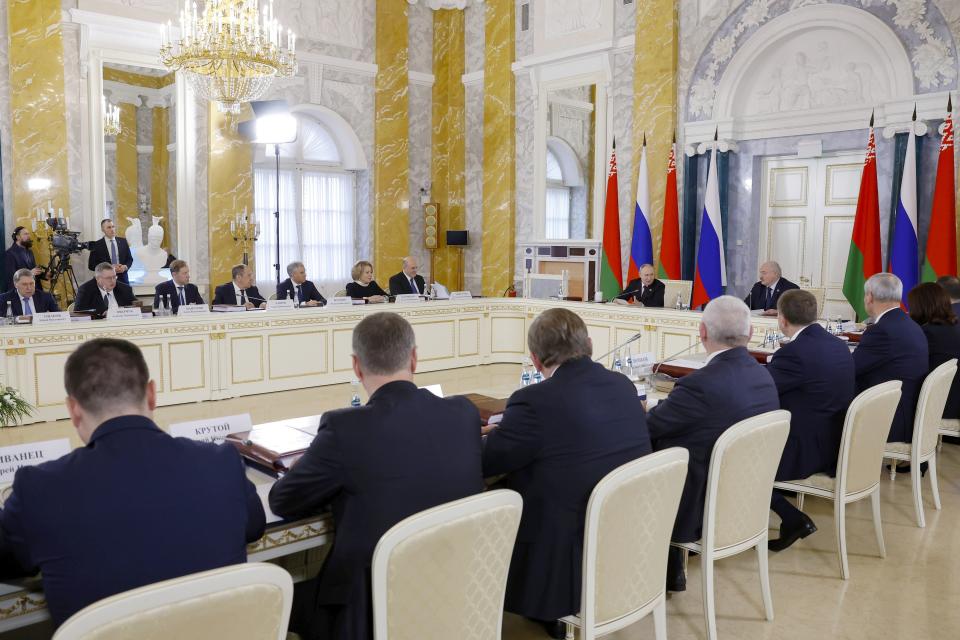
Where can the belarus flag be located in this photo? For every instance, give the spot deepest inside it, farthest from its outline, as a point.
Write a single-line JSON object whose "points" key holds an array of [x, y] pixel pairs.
{"points": [[711, 275], [942, 239], [905, 252], [641, 246]]}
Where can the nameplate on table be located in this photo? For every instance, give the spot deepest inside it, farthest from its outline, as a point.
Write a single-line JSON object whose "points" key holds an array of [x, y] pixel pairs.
{"points": [[408, 298], [848, 327], [212, 430], [461, 295], [286, 303], [193, 310], [125, 313], [51, 317], [643, 359], [30, 454], [337, 301]]}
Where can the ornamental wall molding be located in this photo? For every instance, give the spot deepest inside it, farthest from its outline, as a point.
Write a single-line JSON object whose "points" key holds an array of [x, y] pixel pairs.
{"points": [[445, 4]]}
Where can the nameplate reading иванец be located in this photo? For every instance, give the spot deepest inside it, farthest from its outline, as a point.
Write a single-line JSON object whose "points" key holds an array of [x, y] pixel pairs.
{"points": [[125, 313], [51, 317], [212, 430], [193, 310], [27, 455]]}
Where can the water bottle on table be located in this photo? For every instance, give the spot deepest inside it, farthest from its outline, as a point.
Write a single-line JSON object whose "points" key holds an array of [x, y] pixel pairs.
{"points": [[355, 393]]}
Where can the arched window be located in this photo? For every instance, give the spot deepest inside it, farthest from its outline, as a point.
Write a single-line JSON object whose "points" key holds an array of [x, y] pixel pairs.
{"points": [[557, 225], [317, 184]]}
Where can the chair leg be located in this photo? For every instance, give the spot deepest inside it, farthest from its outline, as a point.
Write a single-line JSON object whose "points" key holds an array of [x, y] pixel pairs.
{"points": [[660, 620], [765, 578], [569, 627], [915, 478], [800, 501], [934, 483], [877, 522], [840, 526], [709, 606], [893, 469]]}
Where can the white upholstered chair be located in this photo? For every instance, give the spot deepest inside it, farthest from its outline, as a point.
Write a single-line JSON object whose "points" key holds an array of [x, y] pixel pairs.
{"points": [[737, 507], [821, 295], [672, 288], [341, 293], [630, 517], [241, 602], [859, 464], [950, 427], [442, 573], [926, 428]]}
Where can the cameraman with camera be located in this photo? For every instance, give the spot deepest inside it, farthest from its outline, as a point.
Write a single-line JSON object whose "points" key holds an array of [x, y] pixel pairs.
{"points": [[20, 256]]}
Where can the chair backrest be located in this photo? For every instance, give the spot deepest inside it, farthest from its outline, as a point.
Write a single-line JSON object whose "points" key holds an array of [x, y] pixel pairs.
{"points": [[272, 296], [742, 467], [545, 285], [865, 431], [442, 573], [821, 295], [242, 602], [70, 307], [629, 521], [341, 293], [933, 398], [673, 287]]}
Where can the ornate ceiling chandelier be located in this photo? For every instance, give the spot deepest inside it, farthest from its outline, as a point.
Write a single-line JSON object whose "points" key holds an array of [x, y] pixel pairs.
{"points": [[231, 51]]}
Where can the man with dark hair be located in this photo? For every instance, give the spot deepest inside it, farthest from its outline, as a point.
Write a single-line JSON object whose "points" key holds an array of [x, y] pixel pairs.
{"points": [[125, 510], [24, 299], [178, 290], [556, 441], [112, 249], [297, 286], [952, 285], [403, 452], [20, 256], [240, 291], [815, 379], [103, 292]]}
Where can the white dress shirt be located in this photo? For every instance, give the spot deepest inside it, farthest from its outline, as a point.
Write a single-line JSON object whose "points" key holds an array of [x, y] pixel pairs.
{"points": [[111, 301]]}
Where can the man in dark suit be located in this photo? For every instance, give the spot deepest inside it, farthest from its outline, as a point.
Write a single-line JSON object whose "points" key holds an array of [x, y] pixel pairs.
{"points": [[645, 290], [892, 348], [767, 290], [952, 286], [24, 299], [815, 379], [240, 290], [102, 292], [730, 388], [113, 249], [299, 287], [407, 281], [556, 441], [20, 256], [124, 511], [178, 290], [403, 452]]}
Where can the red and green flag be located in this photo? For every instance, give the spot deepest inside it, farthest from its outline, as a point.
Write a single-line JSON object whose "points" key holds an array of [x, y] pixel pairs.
{"points": [[611, 266], [670, 237], [941, 258], [864, 258]]}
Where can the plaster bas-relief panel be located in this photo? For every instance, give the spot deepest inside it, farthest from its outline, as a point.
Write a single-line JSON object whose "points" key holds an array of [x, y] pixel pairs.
{"points": [[625, 20], [473, 18], [200, 207], [421, 135], [75, 102], [821, 68], [561, 25], [332, 27], [152, 10], [420, 29]]}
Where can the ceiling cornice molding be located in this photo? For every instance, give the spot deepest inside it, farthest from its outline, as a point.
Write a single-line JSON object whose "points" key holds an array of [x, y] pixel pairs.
{"points": [[444, 4]]}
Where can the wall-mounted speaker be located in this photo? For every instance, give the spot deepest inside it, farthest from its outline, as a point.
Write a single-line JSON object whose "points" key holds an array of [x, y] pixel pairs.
{"points": [[431, 224], [457, 238]]}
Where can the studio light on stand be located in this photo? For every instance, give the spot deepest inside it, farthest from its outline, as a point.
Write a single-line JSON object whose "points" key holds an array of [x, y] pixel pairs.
{"points": [[273, 125]]}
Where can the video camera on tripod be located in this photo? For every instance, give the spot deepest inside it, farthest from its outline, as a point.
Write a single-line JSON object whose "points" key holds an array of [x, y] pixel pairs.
{"points": [[64, 241], [63, 244]]}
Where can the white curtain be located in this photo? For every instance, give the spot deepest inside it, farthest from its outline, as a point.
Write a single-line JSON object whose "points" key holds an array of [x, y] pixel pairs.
{"points": [[265, 203], [558, 213], [328, 228]]}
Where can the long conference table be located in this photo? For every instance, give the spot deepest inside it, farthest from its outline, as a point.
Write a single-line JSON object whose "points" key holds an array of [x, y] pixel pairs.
{"points": [[226, 355]]}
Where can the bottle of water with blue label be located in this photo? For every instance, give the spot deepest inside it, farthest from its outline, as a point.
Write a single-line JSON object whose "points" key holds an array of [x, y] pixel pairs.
{"points": [[355, 393], [525, 376], [617, 362], [537, 376]]}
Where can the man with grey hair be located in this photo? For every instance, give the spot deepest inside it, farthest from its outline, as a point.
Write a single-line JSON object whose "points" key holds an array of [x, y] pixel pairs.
{"points": [[731, 387], [892, 348], [405, 451], [556, 441], [25, 299], [103, 292], [298, 288], [766, 291], [408, 280]]}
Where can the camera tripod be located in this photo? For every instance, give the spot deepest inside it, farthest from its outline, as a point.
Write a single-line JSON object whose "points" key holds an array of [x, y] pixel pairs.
{"points": [[60, 271]]}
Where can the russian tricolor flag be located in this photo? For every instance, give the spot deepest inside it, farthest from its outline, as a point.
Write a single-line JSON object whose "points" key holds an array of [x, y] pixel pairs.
{"points": [[641, 245], [905, 250], [711, 275]]}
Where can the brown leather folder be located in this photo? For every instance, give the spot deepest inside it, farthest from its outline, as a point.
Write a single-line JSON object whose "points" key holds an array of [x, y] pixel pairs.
{"points": [[275, 449]]}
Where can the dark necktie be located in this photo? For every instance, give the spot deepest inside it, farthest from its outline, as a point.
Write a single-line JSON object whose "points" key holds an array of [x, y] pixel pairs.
{"points": [[243, 296], [299, 294], [643, 291], [182, 301], [113, 252], [413, 286], [769, 298]]}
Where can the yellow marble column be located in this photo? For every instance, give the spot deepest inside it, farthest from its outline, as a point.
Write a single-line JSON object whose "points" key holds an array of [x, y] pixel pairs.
{"points": [[229, 191], [449, 123], [127, 181], [38, 110], [160, 174], [391, 236], [655, 99], [499, 148]]}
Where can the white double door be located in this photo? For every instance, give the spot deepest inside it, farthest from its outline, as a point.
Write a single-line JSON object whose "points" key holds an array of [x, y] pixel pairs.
{"points": [[808, 209]]}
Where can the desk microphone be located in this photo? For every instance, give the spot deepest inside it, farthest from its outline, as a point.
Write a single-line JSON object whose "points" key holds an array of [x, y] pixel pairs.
{"points": [[632, 338], [627, 294], [253, 297]]}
